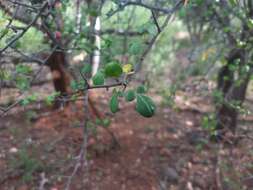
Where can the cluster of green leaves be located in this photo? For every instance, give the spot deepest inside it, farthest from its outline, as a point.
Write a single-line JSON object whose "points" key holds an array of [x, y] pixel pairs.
{"points": [[29, 99], [5, 75], [144, 105], [209, 123], [111, 70], [22, 76], [27, 163], [31, 42]]}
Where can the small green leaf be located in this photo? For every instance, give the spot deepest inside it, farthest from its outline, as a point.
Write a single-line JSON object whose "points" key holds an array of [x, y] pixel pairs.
{"points": [[77, 85], [22, 83], [99, 121], [74, 85], [130, 95], [141, 89], [135, 48], [145, 106], [233, 2], [120, 93], [113, 69], [5, 75], [51, 98], [106, 122], [74, 97], [103, 122], [98, 79], [30, 99], [114, 103], [23, 69], [4, 32]]}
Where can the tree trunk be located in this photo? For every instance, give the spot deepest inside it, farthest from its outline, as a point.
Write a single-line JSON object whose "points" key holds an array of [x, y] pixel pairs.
{"points": [[233, 91], [61, 78]]}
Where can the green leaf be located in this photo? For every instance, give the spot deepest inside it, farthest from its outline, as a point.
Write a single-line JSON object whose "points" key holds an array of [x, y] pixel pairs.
{"points": [[5, 75], [106, 122], [30, 99], [98, 79], [99, 121], [107, 43], [113, 69], [135, 48], [51, 98], [103, 122], [145, 106], [233, 2], [141, 89], [4, 32], [182, 12], [94, 13], [114, 103], [74, 85], [120, 93], [23, 69], [77, 85], [130, 95], [22, 83]]}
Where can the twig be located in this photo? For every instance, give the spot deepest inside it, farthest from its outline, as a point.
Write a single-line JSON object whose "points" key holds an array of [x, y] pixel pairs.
{"points": [[82, 157], [43, 181], [217, 169], [156, 22], [152, 41]]}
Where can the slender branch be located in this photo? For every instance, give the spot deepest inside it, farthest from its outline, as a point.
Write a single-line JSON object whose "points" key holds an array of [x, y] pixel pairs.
{"points": [[124, 3], [156, 22], [153, 40], [23, 5], [122, 32], [106, 86], [44, 6]]}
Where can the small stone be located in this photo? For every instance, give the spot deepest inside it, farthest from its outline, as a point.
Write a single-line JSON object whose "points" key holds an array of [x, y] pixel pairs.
{"points": [[189, 123], [170, 174], [13, 150]]}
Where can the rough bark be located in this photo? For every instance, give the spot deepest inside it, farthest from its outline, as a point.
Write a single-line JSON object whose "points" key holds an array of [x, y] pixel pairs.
{"points": [[226, 112], [61, 77]]}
